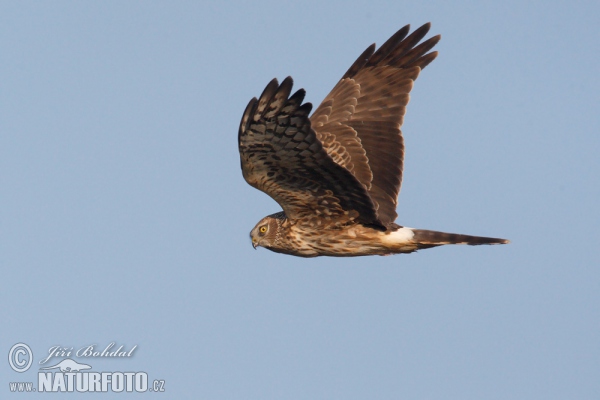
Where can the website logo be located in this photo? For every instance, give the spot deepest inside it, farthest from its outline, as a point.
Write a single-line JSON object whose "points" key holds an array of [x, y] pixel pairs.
{"points": [[77, 376]]}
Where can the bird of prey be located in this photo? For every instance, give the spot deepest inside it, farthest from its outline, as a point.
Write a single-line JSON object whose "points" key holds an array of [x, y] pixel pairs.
{"points": [[337, 173]]}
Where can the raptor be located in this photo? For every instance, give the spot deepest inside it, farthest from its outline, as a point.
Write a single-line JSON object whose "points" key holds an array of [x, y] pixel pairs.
{"points": [[337, 173]]}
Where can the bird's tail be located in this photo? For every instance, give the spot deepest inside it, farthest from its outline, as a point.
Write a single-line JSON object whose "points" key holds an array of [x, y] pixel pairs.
{"points": [[425, 239]]}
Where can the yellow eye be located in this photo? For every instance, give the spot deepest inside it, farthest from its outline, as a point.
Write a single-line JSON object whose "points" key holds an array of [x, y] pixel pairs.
{"points": [[263, 229]]}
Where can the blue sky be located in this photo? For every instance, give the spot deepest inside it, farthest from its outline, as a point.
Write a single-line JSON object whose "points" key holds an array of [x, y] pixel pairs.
{"points": [[125, 217]]}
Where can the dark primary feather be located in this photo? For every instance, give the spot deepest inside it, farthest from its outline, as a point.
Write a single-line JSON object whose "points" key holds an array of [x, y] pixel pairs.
{"points": [[281, 155], [359, 121]]}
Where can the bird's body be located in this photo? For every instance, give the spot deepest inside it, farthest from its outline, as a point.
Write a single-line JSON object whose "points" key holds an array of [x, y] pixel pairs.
{"points": [[309, 240], [337, 174], [351, 239]]}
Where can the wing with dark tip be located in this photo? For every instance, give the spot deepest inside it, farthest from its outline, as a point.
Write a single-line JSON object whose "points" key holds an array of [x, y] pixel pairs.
{"points": [[359, 122], [281, 156]]}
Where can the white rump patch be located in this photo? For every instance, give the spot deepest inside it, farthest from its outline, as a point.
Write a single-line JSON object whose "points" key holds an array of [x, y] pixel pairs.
{"points": [[402, 235]]}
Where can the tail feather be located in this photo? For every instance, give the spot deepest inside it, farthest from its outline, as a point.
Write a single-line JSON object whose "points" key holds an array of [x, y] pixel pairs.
{"points": [[426, 239]]}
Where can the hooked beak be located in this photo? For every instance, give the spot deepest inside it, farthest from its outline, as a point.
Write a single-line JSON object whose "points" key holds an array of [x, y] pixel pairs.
{"points": [[254, 243]]}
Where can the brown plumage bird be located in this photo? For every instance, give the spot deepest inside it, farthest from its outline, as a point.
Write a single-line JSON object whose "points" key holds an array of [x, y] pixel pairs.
{"points": [[337, 173]]}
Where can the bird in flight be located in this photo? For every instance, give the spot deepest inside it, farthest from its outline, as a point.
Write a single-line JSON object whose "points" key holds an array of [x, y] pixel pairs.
{"points": [[337, 173]]}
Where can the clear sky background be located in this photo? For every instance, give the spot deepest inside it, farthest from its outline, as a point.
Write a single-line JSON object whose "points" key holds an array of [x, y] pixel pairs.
{"points": [[124, 216]]}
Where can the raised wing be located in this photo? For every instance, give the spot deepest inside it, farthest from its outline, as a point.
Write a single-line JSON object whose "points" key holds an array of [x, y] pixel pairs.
{"points": [[281, 156], [359, 122]]}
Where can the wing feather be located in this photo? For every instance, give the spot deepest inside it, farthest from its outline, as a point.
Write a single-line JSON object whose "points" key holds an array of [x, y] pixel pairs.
{"points": [[282, 156], [359, 121], [345, 162]]}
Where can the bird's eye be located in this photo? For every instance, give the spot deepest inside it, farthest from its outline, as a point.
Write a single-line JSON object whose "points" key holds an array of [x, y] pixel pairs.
{"points": [[263, 229]]}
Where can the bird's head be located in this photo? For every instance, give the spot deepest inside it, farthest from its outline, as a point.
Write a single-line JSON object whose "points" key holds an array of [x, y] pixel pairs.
{"points": [[264, 234]]}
